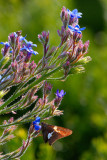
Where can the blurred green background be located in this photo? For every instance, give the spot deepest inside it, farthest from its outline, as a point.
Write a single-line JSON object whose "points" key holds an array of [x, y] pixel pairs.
{"points": [[85, 102]]}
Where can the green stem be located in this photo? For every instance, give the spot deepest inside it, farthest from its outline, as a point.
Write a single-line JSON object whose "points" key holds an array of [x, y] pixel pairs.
{"points": [[26, 81], [22, 91], [24, 120], [60, 78], [11, 108], [54, 54]]}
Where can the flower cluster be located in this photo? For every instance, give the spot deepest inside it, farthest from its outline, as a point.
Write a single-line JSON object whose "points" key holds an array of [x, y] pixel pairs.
{"points": [[19, 71], [27, 47], [19, 51], [71, 36]]}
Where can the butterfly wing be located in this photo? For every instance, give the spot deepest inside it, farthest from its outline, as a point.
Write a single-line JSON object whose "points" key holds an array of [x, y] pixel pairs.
{"points": [[59, 132], [52, 133], [45, 131]]}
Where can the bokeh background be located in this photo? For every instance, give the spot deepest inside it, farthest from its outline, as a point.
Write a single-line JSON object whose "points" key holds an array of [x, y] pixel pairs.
{"points": [[85, 102]]}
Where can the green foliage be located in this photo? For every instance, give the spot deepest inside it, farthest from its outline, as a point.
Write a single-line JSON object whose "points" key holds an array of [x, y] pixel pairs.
{"points": [[46, 152]]}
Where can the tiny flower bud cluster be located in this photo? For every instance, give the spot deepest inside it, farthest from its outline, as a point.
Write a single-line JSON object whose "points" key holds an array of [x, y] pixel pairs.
{"points": [[44, 39]]}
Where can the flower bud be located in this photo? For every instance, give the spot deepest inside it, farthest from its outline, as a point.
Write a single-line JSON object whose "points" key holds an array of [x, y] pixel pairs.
{"points": [[44, 37], [66, 67], [79, 49], [84, 60], [6, 48], [14, 66], [11, 120], [31, 129], [12, 38], [5, 122], [77, 69], [85, 47], [47, 88], [64, 16]]}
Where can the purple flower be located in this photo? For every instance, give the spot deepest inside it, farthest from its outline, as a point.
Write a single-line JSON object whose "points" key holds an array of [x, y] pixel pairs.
{"points": [[76, 29], [60, 94], [74, 13], [36, 124]]}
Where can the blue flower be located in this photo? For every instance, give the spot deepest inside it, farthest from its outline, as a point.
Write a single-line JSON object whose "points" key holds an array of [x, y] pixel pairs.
{"points": [[6, 44], [74, 13], [36, 124], [21, 38], [29, 50], [10, 51], [30, 44], [28, 47], [37, 120], [76, 29], [37, 127], [60, 94]]}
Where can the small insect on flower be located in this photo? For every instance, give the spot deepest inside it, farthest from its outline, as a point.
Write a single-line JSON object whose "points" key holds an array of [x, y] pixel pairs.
{"points": [[52, 133]]}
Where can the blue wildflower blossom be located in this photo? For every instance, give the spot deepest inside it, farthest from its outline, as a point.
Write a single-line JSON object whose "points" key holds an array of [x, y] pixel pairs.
{"points": [[36, 124], [37, 120], [21, 38], [30, 44], [10, 51], [28, 47], [60, 94], [74, 13], [76, 29], [6, 44], [29, 50], [6, 48]]}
